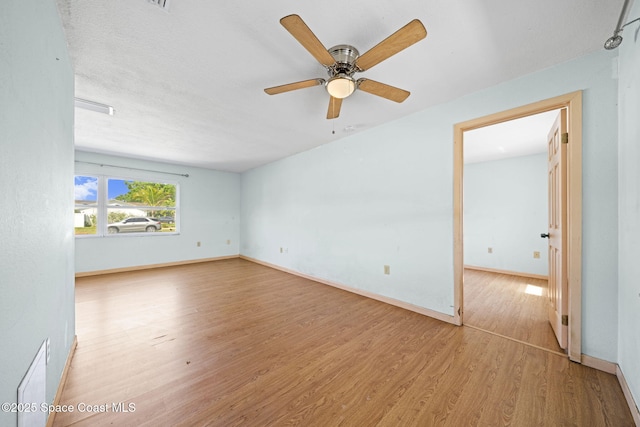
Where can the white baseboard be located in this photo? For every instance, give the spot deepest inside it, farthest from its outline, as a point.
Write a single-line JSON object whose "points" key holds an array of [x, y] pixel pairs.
{"points": [[628, 396], [407, 306], [599, 364], [150, 266], [512, 273], [614, 369], [63, 380]]}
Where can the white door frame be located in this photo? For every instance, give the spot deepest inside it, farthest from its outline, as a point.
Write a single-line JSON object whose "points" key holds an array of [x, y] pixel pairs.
{"points": [[573, 103]]}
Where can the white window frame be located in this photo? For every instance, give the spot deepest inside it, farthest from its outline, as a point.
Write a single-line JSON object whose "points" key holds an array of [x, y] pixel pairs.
{"points": [[102, 208]]}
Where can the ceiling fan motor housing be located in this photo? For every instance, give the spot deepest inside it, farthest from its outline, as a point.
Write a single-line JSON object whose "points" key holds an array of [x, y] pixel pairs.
{"points": [[345, 56]]}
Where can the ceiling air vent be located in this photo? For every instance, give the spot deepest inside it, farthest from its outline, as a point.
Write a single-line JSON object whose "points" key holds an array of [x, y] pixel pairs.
{"points": [[163, 4]]}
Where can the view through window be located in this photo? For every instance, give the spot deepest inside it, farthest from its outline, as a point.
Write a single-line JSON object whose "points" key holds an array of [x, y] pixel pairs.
{"points": [[111, 206]]}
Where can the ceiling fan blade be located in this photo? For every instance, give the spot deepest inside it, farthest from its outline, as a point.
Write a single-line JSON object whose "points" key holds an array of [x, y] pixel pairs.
{"points": [[298, 29], [294, 86], [411, 33], [383, 90], [334, 108]]}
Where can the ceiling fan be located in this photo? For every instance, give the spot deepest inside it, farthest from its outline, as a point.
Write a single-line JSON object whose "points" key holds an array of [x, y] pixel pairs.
{"points": [[343, 61]]}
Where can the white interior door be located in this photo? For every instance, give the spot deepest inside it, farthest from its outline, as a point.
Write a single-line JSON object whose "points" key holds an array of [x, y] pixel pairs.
{"points": [[557, 233]]}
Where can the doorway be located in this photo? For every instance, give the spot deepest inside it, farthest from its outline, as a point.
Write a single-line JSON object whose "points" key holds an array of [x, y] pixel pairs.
{"points": [[506, 262], [573, 103]]}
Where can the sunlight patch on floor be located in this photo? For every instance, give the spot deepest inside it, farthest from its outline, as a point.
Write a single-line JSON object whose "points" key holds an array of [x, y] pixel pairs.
{"points": [[533, 290]]}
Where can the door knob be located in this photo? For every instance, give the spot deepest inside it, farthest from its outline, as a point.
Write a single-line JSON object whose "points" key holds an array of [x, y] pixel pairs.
{"points": [[543, 235]]}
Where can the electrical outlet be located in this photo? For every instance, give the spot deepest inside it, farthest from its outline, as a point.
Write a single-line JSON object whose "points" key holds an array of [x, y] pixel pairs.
{"points": [[387, 269], [198, 244], [281, 250], [536, 254], [228, 242], [490, 250]]}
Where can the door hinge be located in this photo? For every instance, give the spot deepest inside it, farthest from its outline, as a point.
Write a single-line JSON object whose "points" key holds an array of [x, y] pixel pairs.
{"points": [[565, 138], [565, 320]]}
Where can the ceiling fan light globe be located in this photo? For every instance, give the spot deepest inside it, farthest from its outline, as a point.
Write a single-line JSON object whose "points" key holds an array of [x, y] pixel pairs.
{"points": [[341, 86]]}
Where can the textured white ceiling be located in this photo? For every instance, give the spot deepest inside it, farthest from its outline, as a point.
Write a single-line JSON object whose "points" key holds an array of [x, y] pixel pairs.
{"points": [[187, 84]]}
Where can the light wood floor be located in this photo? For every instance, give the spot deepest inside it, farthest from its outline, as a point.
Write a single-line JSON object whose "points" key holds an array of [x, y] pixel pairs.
{"points": [[231, 343], [498, 303]]}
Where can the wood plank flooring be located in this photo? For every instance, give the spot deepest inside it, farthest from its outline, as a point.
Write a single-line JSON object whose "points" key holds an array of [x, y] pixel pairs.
{"points": [[231, 343], [498, 303]]}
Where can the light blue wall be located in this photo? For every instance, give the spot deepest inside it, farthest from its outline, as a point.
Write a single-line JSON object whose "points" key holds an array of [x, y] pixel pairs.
{"points": [[36, 172], [384, 196], [505, 208], [209, 213], [629, 207], [346, 209]]}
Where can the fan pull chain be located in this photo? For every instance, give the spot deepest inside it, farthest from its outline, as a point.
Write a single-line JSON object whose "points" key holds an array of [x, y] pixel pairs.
{"points": [[335, 113]]}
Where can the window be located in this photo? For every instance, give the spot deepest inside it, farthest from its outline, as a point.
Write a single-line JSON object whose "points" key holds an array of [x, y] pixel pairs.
{"points": [[86, 207], [112, 206]]}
